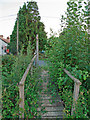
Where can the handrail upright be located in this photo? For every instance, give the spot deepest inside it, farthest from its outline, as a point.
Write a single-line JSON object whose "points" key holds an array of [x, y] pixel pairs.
{"points": [[77, 84]]}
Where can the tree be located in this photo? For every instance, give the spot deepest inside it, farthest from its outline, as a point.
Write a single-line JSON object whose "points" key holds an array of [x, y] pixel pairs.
{"points": [[70, 51], [29, 26]]}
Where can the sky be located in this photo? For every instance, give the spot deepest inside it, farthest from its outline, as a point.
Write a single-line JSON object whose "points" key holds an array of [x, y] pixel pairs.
{"points": [[50, 12]]}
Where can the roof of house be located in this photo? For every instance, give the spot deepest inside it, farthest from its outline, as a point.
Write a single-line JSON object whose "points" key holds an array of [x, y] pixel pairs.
{"points": [[5, 40]]}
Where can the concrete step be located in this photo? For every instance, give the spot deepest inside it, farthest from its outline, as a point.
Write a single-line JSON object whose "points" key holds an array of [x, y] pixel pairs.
{"points": [[45, 97], [52, 104], [54, 114], [58, 108], [49, 97], [45, 92], [50, 101], [52, 117]]}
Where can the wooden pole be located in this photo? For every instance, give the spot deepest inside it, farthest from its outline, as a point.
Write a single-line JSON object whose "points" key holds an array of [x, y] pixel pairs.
{"points": [[21, 95], [17, 33], [75, 96], [31, 70], [1, 88], [37, 49], [21, 87], [77, 83]]}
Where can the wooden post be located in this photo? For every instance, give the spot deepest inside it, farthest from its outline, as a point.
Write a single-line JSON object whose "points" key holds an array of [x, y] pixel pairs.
{"points": [[21, 95], [37, 49], [75, 96], [17, 33], [31, 70], [1, 88], [21, 87], [76, 90], [0, 100]]}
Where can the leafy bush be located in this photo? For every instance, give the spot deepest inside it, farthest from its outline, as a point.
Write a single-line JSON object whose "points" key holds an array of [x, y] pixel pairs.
{"points": [[7, 62], [70, 51], [10, 88]]}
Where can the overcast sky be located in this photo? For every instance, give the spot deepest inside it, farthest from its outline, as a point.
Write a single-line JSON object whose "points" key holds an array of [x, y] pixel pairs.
{"points": [[50, 12]]}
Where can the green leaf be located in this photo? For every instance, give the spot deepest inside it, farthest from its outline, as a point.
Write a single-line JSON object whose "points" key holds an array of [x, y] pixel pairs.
{"points": [[86, 7], [69, 55], [84, 77], [85, 3], [75, 9], [80, 6], [68, 3], [80, 76], [75, 5], [70, 48]]}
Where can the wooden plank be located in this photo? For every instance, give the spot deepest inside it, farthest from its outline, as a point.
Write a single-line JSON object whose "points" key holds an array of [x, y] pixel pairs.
{"points": [[53, 114], [52, 109], [75, 96], [73, 78], [21, 95], [55, 117], [76, 90], [31, 71], [1, 87], [21, 86], [37, 49], [17, 32], [52, 104], [26, 72]]}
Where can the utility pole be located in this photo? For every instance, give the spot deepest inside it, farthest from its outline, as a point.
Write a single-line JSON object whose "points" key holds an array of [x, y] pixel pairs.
{"points": [[37, 49], [17, 33]]}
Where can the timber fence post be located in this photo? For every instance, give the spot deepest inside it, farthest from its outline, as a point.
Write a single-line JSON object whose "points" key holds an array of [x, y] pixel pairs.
{"points": [[77, 83], [17, 31], [75, 96], [37, 49], [21, 88], [31, 71], [21, 94]]}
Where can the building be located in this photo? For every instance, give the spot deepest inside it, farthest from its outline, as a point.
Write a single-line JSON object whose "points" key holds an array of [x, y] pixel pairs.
{"points": [[3, 45]]}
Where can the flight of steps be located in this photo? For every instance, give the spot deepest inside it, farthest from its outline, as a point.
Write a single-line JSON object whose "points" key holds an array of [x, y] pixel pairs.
{"points": [[49, 106]]}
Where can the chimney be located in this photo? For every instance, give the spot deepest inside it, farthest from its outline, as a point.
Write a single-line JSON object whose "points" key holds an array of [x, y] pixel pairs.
{"points": [[1, 36], [8, 39]]}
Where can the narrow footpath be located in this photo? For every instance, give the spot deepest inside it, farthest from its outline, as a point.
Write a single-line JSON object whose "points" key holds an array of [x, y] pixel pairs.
{"points": [[49, 106]]}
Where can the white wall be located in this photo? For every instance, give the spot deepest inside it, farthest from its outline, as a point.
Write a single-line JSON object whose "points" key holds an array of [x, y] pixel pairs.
{"points": [[2, 44]]}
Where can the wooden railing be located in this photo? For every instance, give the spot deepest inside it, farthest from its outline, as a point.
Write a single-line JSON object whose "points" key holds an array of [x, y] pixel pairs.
{"points": [[21, 86], [77, 83]]}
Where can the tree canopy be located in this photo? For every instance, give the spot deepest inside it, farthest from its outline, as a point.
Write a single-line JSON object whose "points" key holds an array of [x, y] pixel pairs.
{"points": [[70, 51], [29, 26]]}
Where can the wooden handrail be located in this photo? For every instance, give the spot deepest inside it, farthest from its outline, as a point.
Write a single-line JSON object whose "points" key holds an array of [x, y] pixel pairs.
{"points": [[73, 78], [21, 87], [26, 72], [76, 90]]}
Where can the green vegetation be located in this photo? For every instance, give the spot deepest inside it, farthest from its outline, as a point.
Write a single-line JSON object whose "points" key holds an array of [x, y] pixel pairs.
{"points": [[13, 67], [12, 71], [70, 51], [29, 26]]}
